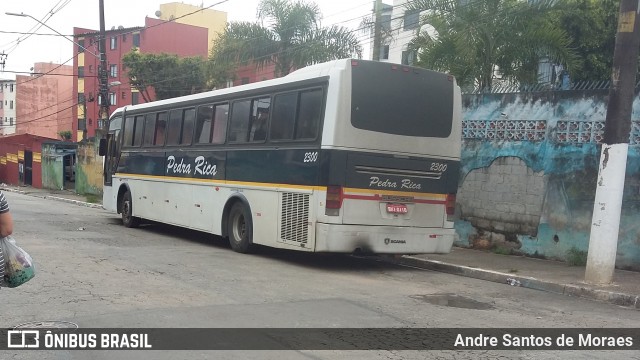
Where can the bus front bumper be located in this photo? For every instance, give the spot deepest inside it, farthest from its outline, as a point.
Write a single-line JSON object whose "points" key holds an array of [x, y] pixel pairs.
{"points": [[382, 239]]}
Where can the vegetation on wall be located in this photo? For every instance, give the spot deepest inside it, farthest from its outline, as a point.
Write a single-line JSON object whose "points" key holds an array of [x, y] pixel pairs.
{"points": [[65, 134]]}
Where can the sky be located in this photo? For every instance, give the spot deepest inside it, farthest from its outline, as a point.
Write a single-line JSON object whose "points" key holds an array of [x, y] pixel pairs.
{"points": [[67, 14]]}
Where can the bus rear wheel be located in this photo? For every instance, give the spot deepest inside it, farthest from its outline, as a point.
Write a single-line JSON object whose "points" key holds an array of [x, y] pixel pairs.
{"points": [[128, 219], [240, 228]]}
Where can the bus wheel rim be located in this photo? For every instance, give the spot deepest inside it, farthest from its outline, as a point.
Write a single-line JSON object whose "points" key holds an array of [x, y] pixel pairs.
{"points": [[239, 227]]}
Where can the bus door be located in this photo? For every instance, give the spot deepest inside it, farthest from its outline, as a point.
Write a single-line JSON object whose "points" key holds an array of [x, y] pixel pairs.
{"points": [[110, 149]]}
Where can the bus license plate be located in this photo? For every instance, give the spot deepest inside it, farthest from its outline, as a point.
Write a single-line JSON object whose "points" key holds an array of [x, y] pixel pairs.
{"points": [[397, 208]]}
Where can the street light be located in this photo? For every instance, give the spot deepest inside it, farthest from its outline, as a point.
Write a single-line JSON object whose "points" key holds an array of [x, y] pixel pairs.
{"points": [[52, 29]]}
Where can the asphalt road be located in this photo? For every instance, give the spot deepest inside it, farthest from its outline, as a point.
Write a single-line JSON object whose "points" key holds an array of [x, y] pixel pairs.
{"points": [[96, 273]]}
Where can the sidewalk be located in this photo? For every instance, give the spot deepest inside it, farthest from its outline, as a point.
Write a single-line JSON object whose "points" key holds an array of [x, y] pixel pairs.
{"points": [[545, 275], [68, 196]]}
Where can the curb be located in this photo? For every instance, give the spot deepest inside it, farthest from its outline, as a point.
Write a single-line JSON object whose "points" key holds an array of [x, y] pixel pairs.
{"points": [[616, 298], [76, 202], [56, 198]]}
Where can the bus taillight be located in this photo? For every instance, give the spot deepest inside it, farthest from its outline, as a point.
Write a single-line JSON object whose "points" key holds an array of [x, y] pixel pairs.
{"points": [[334, 200], [451, 206]]}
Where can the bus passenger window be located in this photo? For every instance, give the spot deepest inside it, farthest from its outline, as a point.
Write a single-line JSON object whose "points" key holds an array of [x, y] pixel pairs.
{"points": [[203, 124], [309, 116], [150, 129], [137, 135], [187, 126], [260, 119], [128, 131], [259, 126], [161, 127], [283, 118], [175, 127], [240, 121], [220, 123]]}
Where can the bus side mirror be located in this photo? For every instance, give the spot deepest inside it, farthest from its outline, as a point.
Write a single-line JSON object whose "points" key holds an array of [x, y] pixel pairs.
{"points": [[102, 148]]}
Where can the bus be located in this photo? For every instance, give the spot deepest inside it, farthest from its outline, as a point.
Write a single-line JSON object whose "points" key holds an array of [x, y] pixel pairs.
{"points": [[347, 156]]}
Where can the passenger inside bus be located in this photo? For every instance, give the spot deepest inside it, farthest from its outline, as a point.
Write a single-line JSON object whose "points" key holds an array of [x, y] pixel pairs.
{"points": [[259, 127]]}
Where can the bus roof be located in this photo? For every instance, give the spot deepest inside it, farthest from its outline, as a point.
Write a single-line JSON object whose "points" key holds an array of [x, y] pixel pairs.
{"points": [[308, 72]]}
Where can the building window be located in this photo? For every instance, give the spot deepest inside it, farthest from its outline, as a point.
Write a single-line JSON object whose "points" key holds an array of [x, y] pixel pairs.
{"points": [[112, 98], [136, 39], [81, 46], [411, 19], [80, 71], [114, 43], [245, 80], [384, 52], [90, 69], [124, 37], [113, 70], [409, 57], [10, 121], [11, 104], [10, 87], [81, 98], [82, 124], [134, 98]]}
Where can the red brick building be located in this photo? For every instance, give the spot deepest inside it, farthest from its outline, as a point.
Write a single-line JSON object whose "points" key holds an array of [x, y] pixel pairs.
{"points": [[157, 36], [45, 103]]}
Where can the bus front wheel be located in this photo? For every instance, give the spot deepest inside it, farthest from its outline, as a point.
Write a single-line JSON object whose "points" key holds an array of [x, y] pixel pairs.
{"points": [[128, 219], [240, 228]]}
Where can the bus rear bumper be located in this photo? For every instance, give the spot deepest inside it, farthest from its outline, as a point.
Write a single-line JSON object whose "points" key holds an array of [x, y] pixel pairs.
{"points": [[382, 239]]}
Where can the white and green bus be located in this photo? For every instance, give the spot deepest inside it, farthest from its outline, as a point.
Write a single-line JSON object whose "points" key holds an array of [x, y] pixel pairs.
{"points": [[355, 156]]}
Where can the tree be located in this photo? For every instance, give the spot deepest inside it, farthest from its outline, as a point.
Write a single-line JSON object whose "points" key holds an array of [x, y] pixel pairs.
{"points": [[473, 39], [293, 38], [169, 75], [591, 25]]}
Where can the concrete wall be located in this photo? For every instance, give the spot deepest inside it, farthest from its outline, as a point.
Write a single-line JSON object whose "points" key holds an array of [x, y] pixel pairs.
{"points": [[89, 168], [529, 168]]}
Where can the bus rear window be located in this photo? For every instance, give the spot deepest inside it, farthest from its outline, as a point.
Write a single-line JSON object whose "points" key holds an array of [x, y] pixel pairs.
{"points": [[401, 100]]}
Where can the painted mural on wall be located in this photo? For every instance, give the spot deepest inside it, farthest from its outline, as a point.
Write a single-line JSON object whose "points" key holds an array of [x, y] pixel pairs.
{"points": [[535, 156]]}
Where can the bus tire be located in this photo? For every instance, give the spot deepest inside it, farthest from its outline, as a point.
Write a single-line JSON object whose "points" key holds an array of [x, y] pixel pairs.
{"points": [[128, 220], [240, 228]]}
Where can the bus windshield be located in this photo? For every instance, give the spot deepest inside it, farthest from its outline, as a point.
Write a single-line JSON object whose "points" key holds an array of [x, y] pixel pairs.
{"points": [[401, 100]]}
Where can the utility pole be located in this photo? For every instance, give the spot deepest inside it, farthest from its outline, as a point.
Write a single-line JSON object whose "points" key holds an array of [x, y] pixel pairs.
{"points": [[377, 30], [605, 224], [103, 113]]}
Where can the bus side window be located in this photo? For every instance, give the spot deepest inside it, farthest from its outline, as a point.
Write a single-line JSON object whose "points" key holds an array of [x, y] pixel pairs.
{"points": [[283, 117], [188, 126], [161, 129], [128, 131], [240, 121], [203, 124], [260, 119], [220, 123], [149, 129], [137, 132], [309, 115], [175, 127]]}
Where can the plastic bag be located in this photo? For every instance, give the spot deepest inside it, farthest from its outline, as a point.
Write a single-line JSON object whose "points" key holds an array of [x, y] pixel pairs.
{"points": [[18, 265]]}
